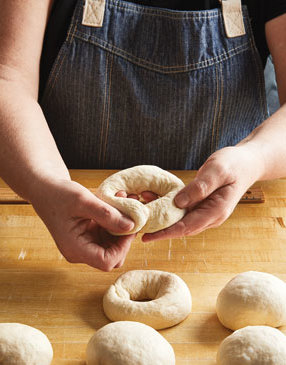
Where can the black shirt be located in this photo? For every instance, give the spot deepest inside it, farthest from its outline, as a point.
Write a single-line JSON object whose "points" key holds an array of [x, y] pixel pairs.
{"points": [[260, 12]]}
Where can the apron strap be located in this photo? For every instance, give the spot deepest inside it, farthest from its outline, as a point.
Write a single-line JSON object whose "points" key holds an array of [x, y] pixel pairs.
{"points": [[233, 18], [93, 13]]}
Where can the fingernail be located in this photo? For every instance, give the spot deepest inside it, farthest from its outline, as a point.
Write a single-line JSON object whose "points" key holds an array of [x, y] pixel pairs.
{"points": [[182, 200], [126, 224]]}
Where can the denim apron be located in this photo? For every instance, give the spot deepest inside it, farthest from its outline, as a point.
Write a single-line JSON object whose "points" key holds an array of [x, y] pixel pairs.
{"points": [[152, 86]]}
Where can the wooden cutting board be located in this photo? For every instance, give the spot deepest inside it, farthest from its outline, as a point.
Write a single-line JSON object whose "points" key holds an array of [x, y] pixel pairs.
{"points": [[39, 288]]}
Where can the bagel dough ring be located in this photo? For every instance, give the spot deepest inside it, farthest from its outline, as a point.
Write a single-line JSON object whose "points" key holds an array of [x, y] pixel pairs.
{"points": [[154, 216], [252, 298], [128, 343], [170, 298], [24, 345], [253, 345]]}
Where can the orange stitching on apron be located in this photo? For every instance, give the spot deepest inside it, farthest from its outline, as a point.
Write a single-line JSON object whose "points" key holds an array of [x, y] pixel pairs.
{"points": [[215, 111], [152, 66], [57, 68], [108, 111], [103, 111], [220, 105]]}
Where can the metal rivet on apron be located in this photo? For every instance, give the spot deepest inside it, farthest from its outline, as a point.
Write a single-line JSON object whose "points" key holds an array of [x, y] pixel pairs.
{"points": [[233, 18], [93, 13]]}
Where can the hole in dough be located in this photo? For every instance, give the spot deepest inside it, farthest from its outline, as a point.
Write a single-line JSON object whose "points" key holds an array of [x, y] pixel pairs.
{"points": [[158, 213], [156, 298]]}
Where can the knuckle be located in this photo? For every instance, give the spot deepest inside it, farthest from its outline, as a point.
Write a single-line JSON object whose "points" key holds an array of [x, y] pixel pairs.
{"points": [[69, 254], [80, 200], [105, 266], [182, 228], [103, 263], [105, 213], [71, 259], [224, 171], [201, 188]]}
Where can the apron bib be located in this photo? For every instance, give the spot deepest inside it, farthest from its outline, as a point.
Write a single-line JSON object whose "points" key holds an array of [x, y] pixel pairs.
{"points": [[152, 86]]}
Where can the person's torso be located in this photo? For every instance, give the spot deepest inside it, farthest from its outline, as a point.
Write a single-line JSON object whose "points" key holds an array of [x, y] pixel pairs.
{"points": [[152, 86], [259, 10]]}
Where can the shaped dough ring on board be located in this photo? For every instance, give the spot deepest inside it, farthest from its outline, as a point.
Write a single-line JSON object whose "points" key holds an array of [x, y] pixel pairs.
{"points": [[154, 216], [157, 298]]}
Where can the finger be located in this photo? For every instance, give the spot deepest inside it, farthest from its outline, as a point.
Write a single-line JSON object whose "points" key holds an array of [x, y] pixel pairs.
{"points": [[133, 196], [106, 259], [120, 264], [175, 231], [210, 213], [105, 215], [211, 176], [193, 223], [149, 196], [122, 261], [121, 194]]}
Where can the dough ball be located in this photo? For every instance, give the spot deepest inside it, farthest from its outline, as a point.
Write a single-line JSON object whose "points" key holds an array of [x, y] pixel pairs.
{"points": [[24, 345], [129, 343], [252, 298], [157, 298], [253, 345], [158, 214]]}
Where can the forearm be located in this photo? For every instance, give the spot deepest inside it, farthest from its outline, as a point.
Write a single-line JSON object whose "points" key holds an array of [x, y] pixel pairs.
{"points": [[269, 142], [28, 153]]}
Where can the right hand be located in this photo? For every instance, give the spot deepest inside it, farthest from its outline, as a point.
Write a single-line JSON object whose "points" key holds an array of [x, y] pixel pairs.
{"points": [[79, 223]]}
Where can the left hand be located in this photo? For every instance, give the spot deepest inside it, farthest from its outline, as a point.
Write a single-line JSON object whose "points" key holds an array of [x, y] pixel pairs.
{"points": [[214, 193], [79, 223]]}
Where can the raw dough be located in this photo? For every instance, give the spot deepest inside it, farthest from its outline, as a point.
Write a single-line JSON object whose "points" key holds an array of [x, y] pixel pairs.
{"points": [[253, 345], [151, 217], [129, 343], [169, 303], [252, 298], [24, 345]]}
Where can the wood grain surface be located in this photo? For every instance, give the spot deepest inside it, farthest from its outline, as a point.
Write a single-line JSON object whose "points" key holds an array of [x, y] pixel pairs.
{"points": [[39, 288]]}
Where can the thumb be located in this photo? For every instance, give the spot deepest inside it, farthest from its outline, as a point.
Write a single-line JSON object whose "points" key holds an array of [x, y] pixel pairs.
{"points": [[210, 177], [105, 215]]}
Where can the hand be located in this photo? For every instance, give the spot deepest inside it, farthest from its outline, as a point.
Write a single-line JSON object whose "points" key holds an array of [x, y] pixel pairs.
{"points": [[78, 222], [145, 196], [212, 196]]}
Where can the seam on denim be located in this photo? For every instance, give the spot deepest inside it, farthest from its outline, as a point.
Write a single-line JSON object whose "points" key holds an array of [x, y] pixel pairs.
{"points": [[108, 110], [259, 73], [103, 112], [98, 41], [155, 10], [221, 95], [59, 62], [215, 110], [153, 67], [165, 14]]}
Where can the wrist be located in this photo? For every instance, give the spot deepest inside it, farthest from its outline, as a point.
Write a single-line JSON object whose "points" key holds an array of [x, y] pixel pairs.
{"points": [[42, 183], [32, 183], [253, 158]]}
